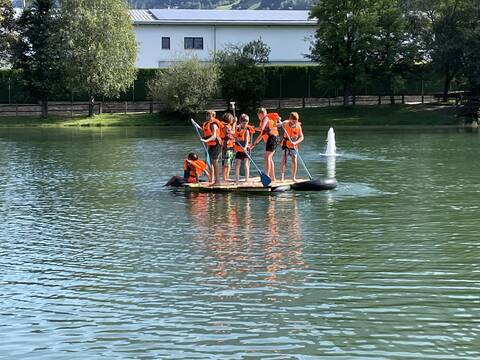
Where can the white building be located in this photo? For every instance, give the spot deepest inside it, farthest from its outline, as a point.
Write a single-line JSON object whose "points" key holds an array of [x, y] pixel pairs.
{"points": [[167, 35]]}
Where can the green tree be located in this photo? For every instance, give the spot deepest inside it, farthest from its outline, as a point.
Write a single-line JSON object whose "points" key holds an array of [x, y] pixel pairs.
{"points": [[343, 39], [100, 47], [7, 32], [186, 86], [472, 47], [38, 52], [242, 77], [392, 52]]}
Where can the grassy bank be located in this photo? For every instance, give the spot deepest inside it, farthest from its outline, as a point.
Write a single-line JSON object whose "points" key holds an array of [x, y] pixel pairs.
{"points": [[376, 115]]}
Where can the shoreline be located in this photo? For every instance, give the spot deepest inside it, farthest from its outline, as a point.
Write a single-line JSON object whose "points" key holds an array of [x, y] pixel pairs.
{"points": [[369, 116]]}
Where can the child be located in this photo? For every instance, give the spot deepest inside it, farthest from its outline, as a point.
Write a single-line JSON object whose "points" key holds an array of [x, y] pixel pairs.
{"points": [[193, 168], [242, 141], [212, 128], [228, 137], [293, 128], [269, 133]]}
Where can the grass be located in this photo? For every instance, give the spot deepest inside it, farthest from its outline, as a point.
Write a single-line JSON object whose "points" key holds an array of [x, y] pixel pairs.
{"points": [[375, 115], [84, 121]]}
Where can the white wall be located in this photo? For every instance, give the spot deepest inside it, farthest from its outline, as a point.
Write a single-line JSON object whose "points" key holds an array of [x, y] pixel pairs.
{"points": [[288, 43]]}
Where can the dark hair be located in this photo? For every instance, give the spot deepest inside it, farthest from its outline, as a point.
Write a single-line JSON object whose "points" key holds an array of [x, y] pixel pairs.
{"points": [[192, 156]]}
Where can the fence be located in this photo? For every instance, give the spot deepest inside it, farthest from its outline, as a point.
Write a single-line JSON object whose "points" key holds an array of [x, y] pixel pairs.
{"points": [[81, 108], [280, 82]]}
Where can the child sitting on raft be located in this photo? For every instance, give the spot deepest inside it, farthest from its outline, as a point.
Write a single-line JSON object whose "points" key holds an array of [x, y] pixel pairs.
{"points": [[292, 131], [242, 142], [193, 168]]}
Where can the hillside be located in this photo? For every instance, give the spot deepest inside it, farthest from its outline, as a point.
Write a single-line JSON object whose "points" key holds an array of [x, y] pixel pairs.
{"points": [[216, 4], [224, 4]]}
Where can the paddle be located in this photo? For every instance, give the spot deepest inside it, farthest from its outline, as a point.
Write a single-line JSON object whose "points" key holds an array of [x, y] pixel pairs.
{"points": [[207, 157], [264, 178], [298, 152]]}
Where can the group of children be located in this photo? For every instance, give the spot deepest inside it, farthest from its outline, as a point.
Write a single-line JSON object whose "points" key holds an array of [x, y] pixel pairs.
{"points": [[230, 140]]}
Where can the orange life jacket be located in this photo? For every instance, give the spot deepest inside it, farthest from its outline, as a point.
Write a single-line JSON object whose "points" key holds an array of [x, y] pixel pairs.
{"points": [[207, 129], [271, 128], [241, 135], [192, 169], [228, 136], [293, 132]]}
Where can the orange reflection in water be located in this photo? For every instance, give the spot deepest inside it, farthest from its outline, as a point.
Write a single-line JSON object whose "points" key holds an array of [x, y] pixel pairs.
{"points": [[245, 234]]}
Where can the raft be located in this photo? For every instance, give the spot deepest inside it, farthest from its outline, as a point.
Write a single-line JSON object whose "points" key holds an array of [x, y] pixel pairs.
{"points": [[254, 185]]}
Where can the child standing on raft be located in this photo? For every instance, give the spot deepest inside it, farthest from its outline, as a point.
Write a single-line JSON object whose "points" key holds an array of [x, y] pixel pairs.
{"points": [[293, 129], [269, 133], [242, 142], [212, 128], [228, 137]]}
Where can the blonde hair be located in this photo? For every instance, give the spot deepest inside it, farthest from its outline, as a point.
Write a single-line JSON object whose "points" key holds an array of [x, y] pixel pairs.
{"points": [[294, 115], [262, 110], [244, 117], [211, 114], [228, 118]]}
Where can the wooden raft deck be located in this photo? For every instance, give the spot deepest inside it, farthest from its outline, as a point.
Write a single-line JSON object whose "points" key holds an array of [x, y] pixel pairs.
{"points": [[253, 186]]}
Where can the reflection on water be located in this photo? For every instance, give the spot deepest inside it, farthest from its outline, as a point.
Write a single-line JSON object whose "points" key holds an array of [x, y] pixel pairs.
{"points": [[236, 242], [100, 261]]}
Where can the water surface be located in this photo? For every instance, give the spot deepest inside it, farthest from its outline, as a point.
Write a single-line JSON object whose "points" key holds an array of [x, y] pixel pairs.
{"points": [[99, 261]]}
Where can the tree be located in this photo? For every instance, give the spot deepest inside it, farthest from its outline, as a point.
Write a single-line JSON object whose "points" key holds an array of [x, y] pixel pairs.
{"points": [[391, 52], [100, 47], [242, 79], [38, 52], [186, 86], [7, 32], [472, 47], [343, 39]]}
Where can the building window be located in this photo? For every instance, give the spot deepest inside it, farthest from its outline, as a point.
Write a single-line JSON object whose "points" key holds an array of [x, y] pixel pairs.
{"points": [[193, 43], [165, 43]]}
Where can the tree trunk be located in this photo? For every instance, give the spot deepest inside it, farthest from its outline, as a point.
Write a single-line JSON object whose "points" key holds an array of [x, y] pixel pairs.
{"points": [[346, 94], [44, 105], [91, 104], [392, 99], [446, 85]]}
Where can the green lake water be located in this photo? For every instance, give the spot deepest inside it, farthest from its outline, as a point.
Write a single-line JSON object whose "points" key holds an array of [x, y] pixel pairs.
{"points": [[99, 261]]}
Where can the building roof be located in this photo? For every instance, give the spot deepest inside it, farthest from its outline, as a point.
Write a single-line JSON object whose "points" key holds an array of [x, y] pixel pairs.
{"points": [[230, 17]]}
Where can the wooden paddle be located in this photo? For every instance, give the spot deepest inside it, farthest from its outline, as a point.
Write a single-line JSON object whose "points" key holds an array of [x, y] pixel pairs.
{"points": [[207, 157]]}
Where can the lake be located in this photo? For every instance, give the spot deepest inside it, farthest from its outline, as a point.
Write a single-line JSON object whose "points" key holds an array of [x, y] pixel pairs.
{"points": [[100, 261]]}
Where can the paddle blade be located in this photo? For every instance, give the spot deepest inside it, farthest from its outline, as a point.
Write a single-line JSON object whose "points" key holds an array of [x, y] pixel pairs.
{"points": [[265, 179]]}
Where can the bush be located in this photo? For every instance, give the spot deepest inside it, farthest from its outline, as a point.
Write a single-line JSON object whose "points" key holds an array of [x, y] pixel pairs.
{"points": [[185, 87]]}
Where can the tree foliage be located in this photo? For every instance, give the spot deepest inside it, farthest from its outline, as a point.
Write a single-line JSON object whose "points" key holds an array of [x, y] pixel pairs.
{"points": [[242, 79], [392, 49], [99, 45], [343, 39], [186, 86], [7, 32], [37, 52]]}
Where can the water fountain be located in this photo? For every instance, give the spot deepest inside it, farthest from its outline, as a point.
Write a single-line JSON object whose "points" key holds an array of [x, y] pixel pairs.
{"points": [[331, 149], [330, 153]]}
